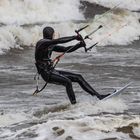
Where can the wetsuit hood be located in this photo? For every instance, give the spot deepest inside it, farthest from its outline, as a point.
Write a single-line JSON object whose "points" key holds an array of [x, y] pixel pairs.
{"points": [[48, 32]]}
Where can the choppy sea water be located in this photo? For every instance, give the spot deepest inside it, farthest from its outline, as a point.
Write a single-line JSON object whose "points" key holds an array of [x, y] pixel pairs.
{"points": [[109, 66]]}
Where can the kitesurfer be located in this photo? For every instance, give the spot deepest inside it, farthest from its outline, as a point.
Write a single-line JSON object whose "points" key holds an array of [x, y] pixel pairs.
{"points": [[45, 65]]}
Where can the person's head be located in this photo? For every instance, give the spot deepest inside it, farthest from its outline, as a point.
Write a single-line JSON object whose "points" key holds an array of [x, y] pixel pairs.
{"points": [[49, 33]]}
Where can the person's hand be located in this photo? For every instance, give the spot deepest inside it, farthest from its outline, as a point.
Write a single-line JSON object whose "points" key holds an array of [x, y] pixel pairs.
{"points": [[82, 43], [79, 37]]}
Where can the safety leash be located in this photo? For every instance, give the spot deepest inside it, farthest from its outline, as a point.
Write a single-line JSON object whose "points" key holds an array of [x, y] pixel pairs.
{"points": [[37, 84]]}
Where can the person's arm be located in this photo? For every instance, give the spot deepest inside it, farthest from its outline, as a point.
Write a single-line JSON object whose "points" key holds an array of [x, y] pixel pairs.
{"points": [[69, 49], [46, 42], [61, 40]]}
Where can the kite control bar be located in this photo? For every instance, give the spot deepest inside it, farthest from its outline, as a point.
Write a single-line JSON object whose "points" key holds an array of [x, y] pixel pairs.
{"points": [[56, 60], [77, 31], [87, 36]]}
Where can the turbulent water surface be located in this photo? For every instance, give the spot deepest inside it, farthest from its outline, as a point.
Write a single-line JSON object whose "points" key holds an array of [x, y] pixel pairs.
{"points": [[114, 62]]}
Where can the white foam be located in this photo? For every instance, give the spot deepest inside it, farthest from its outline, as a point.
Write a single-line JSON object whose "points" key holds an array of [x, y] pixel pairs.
{"points": [[123, 25], [119, 28], [86, 124], [38, 11], [97, 127], [9, 118], [137, 130], [88, 106], [15, 36], [127, 4]]}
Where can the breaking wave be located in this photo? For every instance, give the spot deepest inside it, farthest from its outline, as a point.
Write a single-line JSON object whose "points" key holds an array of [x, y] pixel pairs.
{"points": [[22, 22]]}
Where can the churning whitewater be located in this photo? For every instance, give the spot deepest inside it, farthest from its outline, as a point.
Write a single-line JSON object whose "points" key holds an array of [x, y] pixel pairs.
{"points": [[23, 28], [108, 66]]}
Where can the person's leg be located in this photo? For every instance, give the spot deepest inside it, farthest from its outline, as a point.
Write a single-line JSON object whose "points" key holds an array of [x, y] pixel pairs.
{"points": [[56, 78], [82, 82]]}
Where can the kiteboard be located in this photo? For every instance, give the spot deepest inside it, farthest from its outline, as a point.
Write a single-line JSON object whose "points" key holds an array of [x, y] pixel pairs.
{"points": [[117, 92]]}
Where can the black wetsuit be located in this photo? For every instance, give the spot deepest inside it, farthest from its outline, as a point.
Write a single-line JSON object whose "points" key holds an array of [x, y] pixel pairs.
{"points": [[44, 49]]}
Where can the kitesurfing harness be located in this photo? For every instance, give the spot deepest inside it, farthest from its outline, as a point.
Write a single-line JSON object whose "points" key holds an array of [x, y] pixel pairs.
{"points": [[42, 65]]}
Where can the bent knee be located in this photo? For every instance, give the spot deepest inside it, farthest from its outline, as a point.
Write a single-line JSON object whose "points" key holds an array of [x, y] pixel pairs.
{"points": [[79, 77], [67, 82]]}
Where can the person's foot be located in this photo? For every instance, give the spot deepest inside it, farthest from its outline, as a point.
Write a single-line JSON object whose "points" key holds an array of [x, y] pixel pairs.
{"points": [[73, 102], [103, 96]]}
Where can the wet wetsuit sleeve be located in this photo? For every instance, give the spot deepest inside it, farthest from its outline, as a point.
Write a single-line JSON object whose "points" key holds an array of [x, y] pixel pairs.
{"points": [[45, 42], [60, 40], [67, 49]]}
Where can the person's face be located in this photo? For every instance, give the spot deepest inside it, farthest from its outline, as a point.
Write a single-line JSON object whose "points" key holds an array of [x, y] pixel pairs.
{"points": [[56, 35]]}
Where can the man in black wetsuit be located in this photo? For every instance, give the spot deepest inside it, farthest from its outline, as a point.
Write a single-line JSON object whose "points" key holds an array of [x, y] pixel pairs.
{"points": [[44, 63]]}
